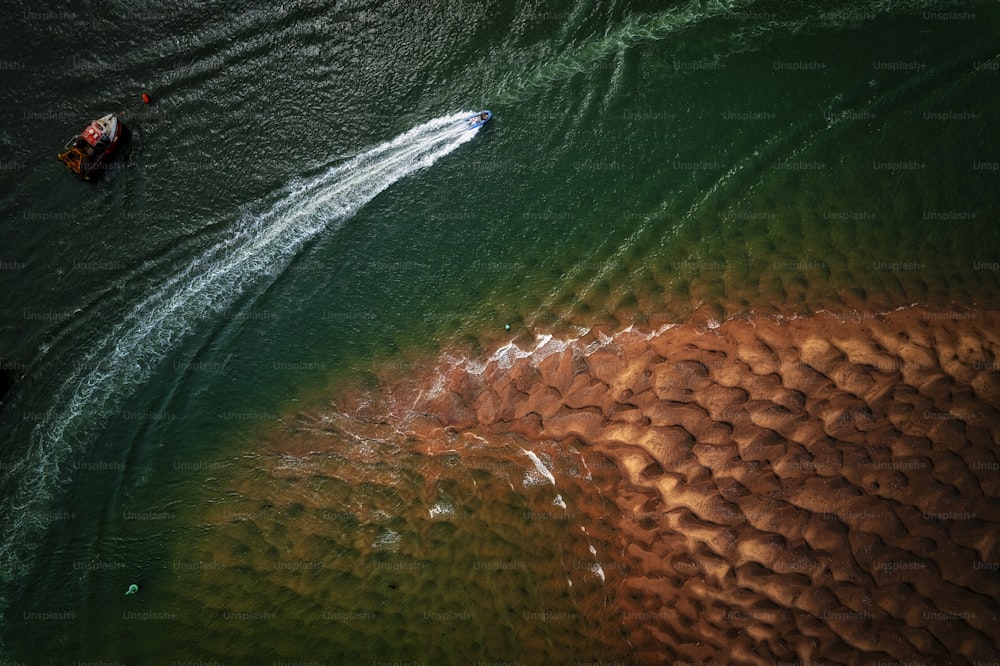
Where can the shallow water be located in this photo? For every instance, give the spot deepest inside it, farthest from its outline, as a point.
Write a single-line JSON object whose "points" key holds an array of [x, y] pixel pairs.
{"points": [[646, 160]]}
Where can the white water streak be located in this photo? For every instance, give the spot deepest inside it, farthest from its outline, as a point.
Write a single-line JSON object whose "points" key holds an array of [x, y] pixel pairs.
{"points": [[542, 469], [260, 246]]}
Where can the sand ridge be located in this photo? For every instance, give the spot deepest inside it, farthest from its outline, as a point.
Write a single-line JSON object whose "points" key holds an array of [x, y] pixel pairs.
{"points": [[822, 489]]}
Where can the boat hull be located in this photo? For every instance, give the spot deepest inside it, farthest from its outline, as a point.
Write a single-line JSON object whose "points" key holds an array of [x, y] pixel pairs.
{"points": [[477, 120], [87, 153]]}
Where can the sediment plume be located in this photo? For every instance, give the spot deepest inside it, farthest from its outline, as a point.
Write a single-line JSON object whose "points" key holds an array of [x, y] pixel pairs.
{"points": [[823, 489]]}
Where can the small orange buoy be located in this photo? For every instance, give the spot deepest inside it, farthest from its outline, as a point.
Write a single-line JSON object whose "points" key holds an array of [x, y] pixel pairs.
{"points": [[145, 98]]}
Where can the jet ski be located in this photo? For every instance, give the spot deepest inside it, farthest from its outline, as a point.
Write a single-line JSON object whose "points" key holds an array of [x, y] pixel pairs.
{"points": [[478, 119]]}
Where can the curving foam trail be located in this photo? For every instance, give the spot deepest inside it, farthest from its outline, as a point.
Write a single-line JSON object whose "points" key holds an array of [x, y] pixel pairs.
{"points": [[259, 248], [582, 58]]}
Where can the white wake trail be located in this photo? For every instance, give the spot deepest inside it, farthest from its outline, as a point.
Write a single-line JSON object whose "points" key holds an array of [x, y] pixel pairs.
{"points": [[260, 246]]}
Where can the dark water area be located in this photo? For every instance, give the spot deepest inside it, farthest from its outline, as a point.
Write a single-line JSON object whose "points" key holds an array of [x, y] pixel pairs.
{"points": [[298, 210]]}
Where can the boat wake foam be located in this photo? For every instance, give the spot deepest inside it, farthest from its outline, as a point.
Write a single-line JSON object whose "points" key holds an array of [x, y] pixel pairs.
{"points": [[259, 248]]}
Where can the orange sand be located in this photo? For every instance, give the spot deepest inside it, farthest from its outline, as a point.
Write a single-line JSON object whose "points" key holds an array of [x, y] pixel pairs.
{"points": [[823, 489]]}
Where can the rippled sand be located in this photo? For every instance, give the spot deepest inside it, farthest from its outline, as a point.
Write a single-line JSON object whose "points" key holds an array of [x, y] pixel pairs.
{"points": [[812, 490], [344, 540]]}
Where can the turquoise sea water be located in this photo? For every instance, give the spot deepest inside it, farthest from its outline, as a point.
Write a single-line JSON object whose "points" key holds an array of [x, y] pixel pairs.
{"points": [[263, 237]]}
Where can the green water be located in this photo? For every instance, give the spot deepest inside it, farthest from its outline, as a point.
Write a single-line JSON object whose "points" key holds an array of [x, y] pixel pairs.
{"points": [[645, 159]]}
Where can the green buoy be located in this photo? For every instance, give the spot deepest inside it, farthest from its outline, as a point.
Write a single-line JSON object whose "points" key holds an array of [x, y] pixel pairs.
{"points": [[132, 589], [506, 327]]}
